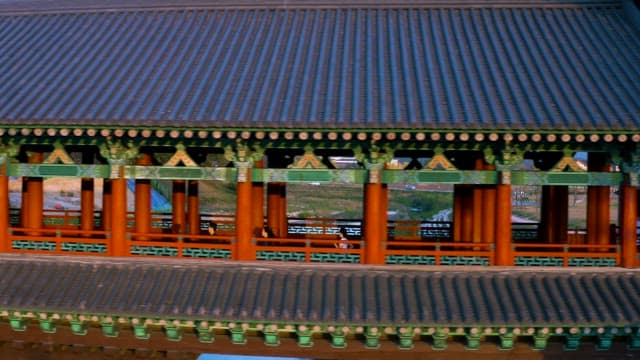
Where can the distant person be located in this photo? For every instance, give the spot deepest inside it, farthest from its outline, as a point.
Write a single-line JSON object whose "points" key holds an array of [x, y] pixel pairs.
{"points": [[213, 228], [267, 233], [343, 239]]}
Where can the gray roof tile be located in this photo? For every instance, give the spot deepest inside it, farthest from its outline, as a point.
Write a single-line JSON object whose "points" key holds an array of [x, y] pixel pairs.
{"points": [[321, 294], [414, 65]]}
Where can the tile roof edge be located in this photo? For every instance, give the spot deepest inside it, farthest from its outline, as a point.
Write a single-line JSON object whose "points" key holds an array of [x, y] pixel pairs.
{"points": [[13, 7]]}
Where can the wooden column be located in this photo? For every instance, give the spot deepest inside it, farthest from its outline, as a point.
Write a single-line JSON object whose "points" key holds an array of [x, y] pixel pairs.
{"points": [[87, 204], [547, 214], [35, 198], [561, 201], [5, 246], [87, 197], [193, 208], [276, 206], [554, 214], [384, 203], [107, 204], [24, 202], [489, 210], [257, 196], [628, 217], [245, 248], [598, 203], [503, 252], [178, 205], [458, 204], [477, 206], [283, 219], [373, 219], [143, 201], [466, 213], [119, 215]]}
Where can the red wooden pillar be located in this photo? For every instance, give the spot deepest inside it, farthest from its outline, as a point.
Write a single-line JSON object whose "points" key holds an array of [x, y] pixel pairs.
{"points": [[458, 204], [503, 253], [257, 196], [87, 197], [384, 203], [598, 203], [5, 246], [373, 219], [561, 201], [107, 204], [24, 202], [283, 219], [554, 212], [87, 204], [628, 217], [178, 205], [35, 199], [245, 248], [477, 205], [277, 208], [143, 201], [489, 210], [193, 207], [466, 213], [546, 215], [119, 215]]}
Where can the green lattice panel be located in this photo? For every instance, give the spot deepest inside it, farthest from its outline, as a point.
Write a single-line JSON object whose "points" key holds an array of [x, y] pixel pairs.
{"points": [[410, 260], [280, 256], [586, 261], [33, 245], [335, 258], [538, 261], [464, 260], [154, 250], [207, 253], [61, 221], [84, 247]]}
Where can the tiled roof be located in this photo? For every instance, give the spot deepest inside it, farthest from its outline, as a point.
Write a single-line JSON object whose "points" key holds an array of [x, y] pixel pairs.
{"points": [[405, 65], [321, 294]]}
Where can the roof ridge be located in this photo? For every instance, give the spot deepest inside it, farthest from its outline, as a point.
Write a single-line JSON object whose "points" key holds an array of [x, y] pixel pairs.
{"points": [[17, 7]]}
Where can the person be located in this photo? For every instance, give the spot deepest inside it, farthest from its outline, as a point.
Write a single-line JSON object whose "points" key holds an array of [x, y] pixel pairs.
{"points": [[266, 232], [213, 228], [343, 240]]}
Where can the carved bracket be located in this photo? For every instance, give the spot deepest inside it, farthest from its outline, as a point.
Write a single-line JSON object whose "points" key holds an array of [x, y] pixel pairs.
{"points": [[118, 154], [374, 161], [308, 161], [243, 158], [58, 154], [8, 151], [181, 156]]}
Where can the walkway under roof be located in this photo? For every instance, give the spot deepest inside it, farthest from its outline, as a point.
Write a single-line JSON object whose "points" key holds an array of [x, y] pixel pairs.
{"points": [[463, 65]]}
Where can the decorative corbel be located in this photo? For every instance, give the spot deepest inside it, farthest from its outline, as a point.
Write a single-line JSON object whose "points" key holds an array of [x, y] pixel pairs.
{"points": [[8, 151], [58, 154], [512, 159], [118, 155], [568, 161], [308, 161], [439, 160], [374, 162], [181, 156], [243, 158]]}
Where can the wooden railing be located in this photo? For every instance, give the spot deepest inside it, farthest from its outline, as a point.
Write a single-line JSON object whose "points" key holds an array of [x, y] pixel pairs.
{"points": [[409, 242], [567, 252]]}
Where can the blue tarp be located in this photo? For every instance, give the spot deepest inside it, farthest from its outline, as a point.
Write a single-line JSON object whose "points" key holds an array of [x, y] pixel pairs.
{"points": [[158, 202]]}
